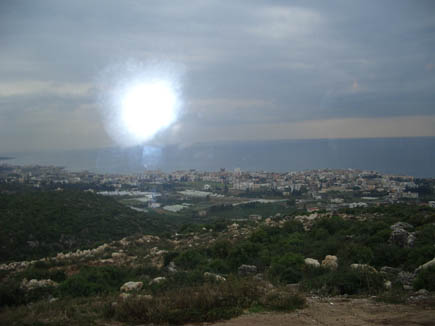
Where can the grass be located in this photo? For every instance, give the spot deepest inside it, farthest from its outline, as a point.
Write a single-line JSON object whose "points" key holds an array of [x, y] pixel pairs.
{"points": [[66, 311], [208, 302]]}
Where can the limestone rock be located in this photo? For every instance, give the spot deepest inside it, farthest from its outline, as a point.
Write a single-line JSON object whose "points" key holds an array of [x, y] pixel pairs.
{"points": [[172, 268], [131, 286], [214, 277], [400, 236], [388, 285], [34, 284], [330, 262], [157, 280], [422, 292], [364, 267], [390, 270], [312, 262], [406, 278], [428, 264], [124, 296], [245, 270]]}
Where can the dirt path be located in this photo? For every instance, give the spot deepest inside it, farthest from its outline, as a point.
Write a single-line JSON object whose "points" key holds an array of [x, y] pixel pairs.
{"points": [[341, 311]]}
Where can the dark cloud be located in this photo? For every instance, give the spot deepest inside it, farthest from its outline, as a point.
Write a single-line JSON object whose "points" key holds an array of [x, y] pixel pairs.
{"points": [[294, 60]]}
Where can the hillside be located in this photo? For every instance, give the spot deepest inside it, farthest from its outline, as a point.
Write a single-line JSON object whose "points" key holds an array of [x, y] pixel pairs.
{"points": [[213, 271], [34, 224]]}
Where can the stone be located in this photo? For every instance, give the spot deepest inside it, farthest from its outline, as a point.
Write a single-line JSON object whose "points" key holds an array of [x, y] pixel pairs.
{"points": [[118, 255], [258, 277], [124, 296], [245, 270], [364, 267], [390, 270], [407, 287], [330, 262], [34, 284], [131, 286], [400, 236], [406, 278], [312, 262], [146, 297], [157, 280], [422, 292], [428, 264], [172, 268], [388, 285], [214, 277]]}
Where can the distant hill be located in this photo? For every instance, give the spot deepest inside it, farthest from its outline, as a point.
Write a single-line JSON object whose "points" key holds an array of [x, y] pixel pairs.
{"points": [[34, 224]]}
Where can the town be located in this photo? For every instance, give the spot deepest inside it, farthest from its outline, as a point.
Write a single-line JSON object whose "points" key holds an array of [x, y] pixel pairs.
{"points": [[312, 190]]}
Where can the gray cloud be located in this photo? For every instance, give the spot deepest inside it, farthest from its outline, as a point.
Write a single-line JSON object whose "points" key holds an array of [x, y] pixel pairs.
{"points": [[245, 63]]}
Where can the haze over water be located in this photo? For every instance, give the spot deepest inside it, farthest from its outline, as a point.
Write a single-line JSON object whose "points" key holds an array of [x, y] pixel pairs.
{"points": [[403, 156]]}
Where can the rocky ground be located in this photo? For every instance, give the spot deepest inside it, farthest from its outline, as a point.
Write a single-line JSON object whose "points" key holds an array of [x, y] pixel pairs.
{"points": [[343, 311]]}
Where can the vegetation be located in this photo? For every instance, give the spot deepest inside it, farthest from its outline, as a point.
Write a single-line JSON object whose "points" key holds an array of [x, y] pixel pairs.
{"points": [[277, 249], [207, 302], [37, 224]]}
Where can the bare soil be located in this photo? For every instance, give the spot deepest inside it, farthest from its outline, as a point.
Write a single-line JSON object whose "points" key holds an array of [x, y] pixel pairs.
{"points": [[343, 311]]}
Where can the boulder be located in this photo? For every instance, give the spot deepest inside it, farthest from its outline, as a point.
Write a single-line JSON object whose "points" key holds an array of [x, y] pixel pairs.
{"points": [[390, 270], [400, 236], [258, 277], [214, 277], [388, 285], [428, 264], [171, 267], [364, 267], [157, 280], [330, 262], [145, 297], [422, 292], [34, 284], [406, 278], [312, 262], [245, 270], [124, 296], [131, 286]]}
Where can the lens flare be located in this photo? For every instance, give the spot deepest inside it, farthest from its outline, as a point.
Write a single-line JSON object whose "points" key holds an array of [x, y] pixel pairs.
{"points": [[140, 102], [147, 108]]}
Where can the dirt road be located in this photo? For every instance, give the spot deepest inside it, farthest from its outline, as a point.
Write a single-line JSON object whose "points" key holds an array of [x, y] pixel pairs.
{"points": [[342, 311]]}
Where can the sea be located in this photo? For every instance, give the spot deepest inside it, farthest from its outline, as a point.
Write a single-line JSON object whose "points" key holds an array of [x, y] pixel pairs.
{"points": [[397, 156]]}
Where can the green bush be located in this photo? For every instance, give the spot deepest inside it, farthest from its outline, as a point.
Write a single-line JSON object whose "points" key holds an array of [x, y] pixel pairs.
{"points": [[43, 273], [425, 279], [288, 268], [203, 303], [344, 281], [190, 259], [93, 281], [11, 294]]}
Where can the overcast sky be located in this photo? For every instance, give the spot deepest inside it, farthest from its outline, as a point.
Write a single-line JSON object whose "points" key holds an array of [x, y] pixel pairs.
{"points": [[246, 69]]}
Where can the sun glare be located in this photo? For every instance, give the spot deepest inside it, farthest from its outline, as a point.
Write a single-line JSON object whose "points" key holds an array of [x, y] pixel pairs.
{"points": [[147, 108]]}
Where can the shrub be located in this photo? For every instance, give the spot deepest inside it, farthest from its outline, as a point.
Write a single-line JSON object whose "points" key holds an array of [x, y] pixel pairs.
{"points": [[345, 281], [190, 259], [218, 266], [43, 273], [355, 253], [287, 268], [11, 294], [93, 281], [203, 303]]}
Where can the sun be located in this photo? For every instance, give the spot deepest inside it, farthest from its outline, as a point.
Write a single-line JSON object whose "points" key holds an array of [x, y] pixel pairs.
{"points": [[147, 108]]}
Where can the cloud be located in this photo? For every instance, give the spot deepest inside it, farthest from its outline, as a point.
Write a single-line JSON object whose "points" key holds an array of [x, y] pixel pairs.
{"points": [[36, 87], [277, 63]]}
